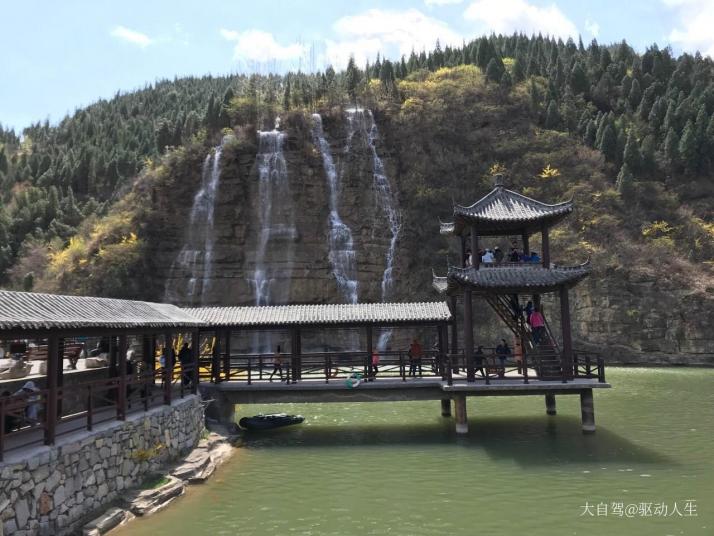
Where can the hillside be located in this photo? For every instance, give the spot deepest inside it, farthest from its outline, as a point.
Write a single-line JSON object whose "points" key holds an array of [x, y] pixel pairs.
{"points": [[556, 128]]}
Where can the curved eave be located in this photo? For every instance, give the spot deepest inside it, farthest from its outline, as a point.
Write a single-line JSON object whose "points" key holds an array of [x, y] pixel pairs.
{"points": [[447, 228], [503, 210], [516, 279]]}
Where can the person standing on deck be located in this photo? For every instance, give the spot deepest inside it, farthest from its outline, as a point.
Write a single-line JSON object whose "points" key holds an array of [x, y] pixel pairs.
{"points": [[487, 257], [415, 354], [478, 359], [528, 311], [498, 255], [537, 325], [185, 360], [277, 364], [514, 256], [502, 352], [374, 365]]}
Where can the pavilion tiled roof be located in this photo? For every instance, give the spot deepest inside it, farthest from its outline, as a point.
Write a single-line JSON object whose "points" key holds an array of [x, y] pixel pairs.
{"points": [[30, 310], [510, 278], [506, 209], [333, 314]]}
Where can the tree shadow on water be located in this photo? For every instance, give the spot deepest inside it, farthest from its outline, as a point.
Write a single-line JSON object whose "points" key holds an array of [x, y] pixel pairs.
{"points": [[527, 441]]}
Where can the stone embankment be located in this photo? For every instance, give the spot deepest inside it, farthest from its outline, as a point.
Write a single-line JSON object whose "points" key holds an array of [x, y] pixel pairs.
{"points": [[195, 468], [54, 490]]}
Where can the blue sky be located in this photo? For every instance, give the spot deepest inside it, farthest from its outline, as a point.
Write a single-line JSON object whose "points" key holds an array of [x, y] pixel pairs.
{"points": [[60, 55]]}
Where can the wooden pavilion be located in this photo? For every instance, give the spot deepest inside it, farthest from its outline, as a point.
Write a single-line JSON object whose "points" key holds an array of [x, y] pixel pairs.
{"points": [[506, 283]]}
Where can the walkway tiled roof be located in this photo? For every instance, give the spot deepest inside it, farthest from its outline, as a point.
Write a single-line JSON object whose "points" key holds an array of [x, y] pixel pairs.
{"points": [[503, 207], [510, 277], [30, 310], [361, 313]]}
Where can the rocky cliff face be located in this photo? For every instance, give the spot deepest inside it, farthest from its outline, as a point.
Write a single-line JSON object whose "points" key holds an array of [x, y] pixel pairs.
{"points": [[630, 315]]}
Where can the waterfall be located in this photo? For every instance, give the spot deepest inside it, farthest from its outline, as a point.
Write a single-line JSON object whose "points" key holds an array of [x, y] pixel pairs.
{"points": [[384, 198], [276, 228], [342, 253], [195, 260]]}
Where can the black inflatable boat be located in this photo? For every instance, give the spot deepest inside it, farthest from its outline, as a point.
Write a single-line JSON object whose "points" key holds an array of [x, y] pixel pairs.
{"points": [[268, 422]]}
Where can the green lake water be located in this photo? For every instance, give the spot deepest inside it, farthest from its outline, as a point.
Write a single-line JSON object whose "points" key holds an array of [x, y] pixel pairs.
{"points": [[399, 468]]}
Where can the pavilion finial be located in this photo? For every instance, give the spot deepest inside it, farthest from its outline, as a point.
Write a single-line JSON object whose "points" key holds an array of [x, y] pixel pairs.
{"points": [[498, 180]]}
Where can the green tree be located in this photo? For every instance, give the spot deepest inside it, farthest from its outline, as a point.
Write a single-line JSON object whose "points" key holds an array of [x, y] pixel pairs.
{"points": [[493, 70], [625, 182], [552, 117], [688, 147], [608, 144], [671, 147], [635, 94], [631, 156], [578, 80], [352, 79]]}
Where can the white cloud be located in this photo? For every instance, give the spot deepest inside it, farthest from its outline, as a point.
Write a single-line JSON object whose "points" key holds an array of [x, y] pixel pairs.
{"points": [[508, 16], [441, 2], [260, 46], [131, 36], [592, 27], [694, 31], [390, 32]]}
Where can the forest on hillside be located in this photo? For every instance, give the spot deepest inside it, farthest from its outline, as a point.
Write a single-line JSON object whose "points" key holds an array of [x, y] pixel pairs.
{"points": [[651, 115]]}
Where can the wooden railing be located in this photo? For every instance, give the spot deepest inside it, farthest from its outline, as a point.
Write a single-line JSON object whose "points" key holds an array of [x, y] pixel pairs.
{"points": [[105, 400]]}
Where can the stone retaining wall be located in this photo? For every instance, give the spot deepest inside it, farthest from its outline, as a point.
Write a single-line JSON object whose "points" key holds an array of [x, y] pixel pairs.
{"points": [[53, 490]]}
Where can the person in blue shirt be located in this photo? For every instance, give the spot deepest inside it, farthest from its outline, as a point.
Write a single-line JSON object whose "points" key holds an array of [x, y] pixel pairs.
{"points": [[534, 257]]}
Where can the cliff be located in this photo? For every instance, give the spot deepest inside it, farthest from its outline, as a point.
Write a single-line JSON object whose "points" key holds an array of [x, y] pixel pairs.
{"points": [[440, 142]]}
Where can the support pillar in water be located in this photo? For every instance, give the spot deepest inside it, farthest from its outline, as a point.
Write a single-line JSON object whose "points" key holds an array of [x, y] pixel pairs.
{"points": [[550, 404], [446, 407], [587, 411], [220, 409], [462, 425]]}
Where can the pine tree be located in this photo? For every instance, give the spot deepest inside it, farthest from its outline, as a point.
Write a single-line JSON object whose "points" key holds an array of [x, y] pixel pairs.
{"points": [[635, 94], [494, 71], [688, 147], [608, 144], [631, 156], [648, 149], [590, 133], [519, 73], [671, 147], [578, 80], [552, 118], [352, 77], [625, 182]]}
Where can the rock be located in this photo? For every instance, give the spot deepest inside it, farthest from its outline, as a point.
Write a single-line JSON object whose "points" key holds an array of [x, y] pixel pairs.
{"points": [[22, 513], [44, 504], [106, 522], [149, 501]]}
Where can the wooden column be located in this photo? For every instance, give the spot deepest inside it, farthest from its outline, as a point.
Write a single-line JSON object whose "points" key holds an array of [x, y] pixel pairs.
{"points": [[121, 372], [567, 357], [113, 371], [587, 411], [195, 355], [295, 351], [454, 346], [443, 349], [216, 358], [60, 374], [526, 246], [227, 355], [475, 257], [462, 239], [546, 246], [370, 348], [168, 367], [51, 402], [550, 404], [446, 407], [469, 337], [462, 423]]}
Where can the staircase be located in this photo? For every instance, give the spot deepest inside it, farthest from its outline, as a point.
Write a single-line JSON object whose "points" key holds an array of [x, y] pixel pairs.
{"points": [[544, 356]]}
